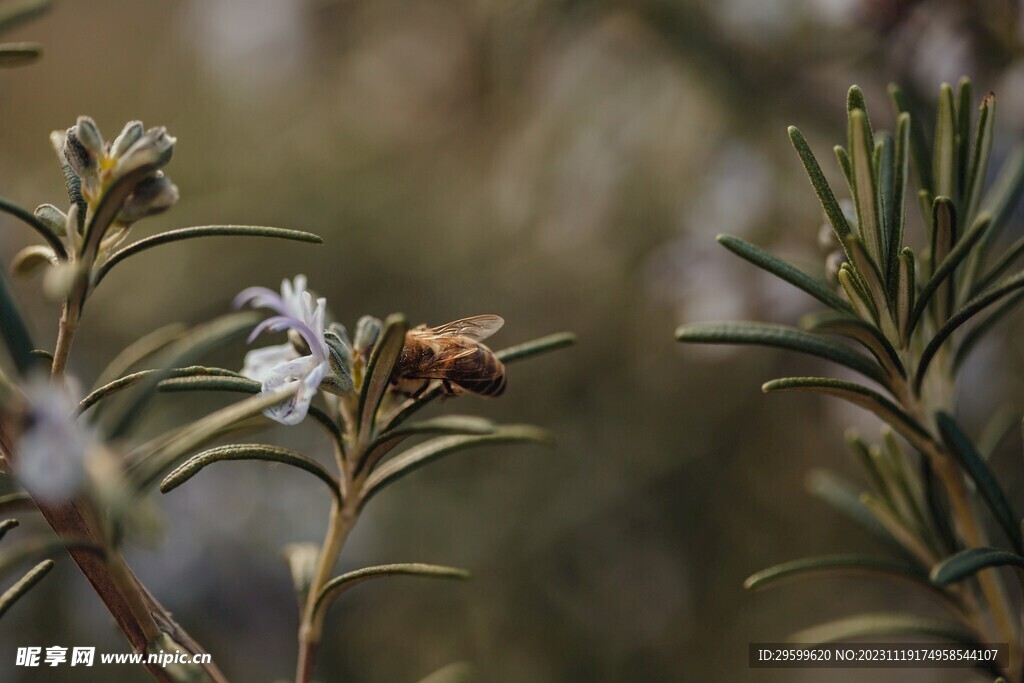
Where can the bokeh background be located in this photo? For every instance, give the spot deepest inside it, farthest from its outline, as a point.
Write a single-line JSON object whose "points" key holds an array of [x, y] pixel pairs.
{"points": [[565, 164]]}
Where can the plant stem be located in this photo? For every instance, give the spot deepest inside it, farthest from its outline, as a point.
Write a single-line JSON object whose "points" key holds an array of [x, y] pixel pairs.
{"points": [[343, 518], [137, 613], [65, 335]]}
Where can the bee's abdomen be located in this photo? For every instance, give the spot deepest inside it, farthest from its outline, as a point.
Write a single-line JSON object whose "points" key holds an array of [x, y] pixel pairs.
{"points": [[487, 377]]}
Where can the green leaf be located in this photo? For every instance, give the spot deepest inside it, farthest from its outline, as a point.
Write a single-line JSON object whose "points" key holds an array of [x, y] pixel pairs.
{"points": [[864, 190], [858, 395], [551, 342], [19, 54], [845, 498], [248, 451], [30, 259], [122, 383], [776, 266], [201, 231], [976, 333], [860, 331], [24, 585], [870, 277], [6, 526], [999, 201], [883, 624], [857, 293], [906, 289], [944, 155], [139, 350], [429, 451], [449, 424], [456, 672], [14, 331], [988, 486], [242, 385], [836, 563], [784, 337], [338, 585], [16, 12], [968, 562], [885, 177], [821, 187], [964, 103], [185, 352], [944, 236], [898, 209], [918, 143], [945, 270], [146, 470], [969, 310], [378, 372], [13, 502], [979, 159]]}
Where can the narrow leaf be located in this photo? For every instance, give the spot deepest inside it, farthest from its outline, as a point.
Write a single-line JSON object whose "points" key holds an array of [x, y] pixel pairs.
{"points": [[988, 486], [6, 526], [919, 152], [944, 273], [884, 624], [864, 189], [944, 236], [122, 383], [964, 104], [378, 372], [551, 342], [858, 395], [944, 154], [14, 331], [784, 337], [19, 54], [185, 352], [24, 585], [967, 563], [146, 470], [456, 672], [977, 333], [860, 331], [845, 498], [201, 231], [429, 451], [139, 350], [969, 310], [338, 585], [449, 424], [16, 12], [898, 209], [791, 274], [248, 451], [979, 159], [821, 187], [851, 563]]}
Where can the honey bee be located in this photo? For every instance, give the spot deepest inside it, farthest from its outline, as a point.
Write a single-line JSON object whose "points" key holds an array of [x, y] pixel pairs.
{"points": [[453, 354]]}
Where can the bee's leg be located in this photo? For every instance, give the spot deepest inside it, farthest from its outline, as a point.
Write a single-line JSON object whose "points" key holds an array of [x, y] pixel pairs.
{"points": [[448, 388], [422, 388]]}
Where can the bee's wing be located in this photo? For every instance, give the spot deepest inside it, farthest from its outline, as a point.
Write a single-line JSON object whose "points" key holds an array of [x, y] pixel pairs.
{"points": [[450, 365], [477, 327]]}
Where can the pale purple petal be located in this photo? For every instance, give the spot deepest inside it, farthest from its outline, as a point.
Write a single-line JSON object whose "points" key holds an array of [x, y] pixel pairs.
{"points": [[51, 453], [260, 362], [305, 375], [260, 297]]}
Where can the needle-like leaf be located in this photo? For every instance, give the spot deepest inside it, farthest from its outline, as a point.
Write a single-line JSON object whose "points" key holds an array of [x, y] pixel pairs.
{"points": [[338, 585], [24, 585]]}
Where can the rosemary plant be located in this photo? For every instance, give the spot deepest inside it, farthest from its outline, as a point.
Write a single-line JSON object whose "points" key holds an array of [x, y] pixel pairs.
{"points": [[82, 464], [905, 322]]}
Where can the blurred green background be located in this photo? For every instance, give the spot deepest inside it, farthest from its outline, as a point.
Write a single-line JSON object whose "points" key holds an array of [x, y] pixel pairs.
{"points": [[565, 165]]}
